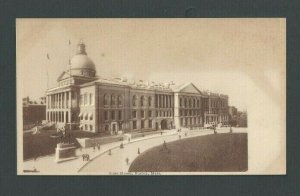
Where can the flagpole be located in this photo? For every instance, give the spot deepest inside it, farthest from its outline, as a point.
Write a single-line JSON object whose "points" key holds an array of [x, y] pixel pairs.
{"points": [[70, 61], [47, 71]]}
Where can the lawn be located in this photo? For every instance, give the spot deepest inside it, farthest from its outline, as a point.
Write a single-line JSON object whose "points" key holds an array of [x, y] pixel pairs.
{"points": [[211, 153], [42, 144]]}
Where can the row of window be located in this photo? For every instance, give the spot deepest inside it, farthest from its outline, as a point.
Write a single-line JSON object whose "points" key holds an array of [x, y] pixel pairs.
{"points": [[144, 124], [86, 99], [190, 121], [215, 104], [189, 102], [86, 117], [85, 127], [150, 114], [144, 101], [189, 112], [113, 100], [113, 115]]}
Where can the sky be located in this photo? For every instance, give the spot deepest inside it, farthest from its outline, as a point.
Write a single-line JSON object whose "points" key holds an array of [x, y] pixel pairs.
{"points": [[238, 57]]}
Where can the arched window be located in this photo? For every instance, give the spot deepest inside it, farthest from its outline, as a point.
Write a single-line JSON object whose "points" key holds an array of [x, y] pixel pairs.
{"points": [[142, 100], [149, 101], [113, 99], [91, 99], [134, 100], [106, 99], [120, 102]]}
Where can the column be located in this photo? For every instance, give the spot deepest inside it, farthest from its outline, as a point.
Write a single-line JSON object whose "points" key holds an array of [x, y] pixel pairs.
{"points": [[65, 99], [56, 98], [70, 99], [60, 100]]}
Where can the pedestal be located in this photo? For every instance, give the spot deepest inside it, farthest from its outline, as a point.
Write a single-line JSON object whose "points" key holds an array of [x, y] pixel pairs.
{"points": [[65, 152]]}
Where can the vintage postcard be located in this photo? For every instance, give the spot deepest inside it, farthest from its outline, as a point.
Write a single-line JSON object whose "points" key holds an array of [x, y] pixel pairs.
{"points": [[151, 96]]}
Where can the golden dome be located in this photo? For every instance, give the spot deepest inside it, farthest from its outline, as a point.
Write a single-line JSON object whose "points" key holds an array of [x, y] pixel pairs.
{"points": [[80, 60]]}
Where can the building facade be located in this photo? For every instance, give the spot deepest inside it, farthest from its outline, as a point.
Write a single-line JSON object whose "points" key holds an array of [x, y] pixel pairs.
{"points": [[96, 104]]}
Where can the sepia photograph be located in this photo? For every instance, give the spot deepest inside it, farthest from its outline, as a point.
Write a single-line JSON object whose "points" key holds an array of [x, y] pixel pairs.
{"points": [[201, 96]]}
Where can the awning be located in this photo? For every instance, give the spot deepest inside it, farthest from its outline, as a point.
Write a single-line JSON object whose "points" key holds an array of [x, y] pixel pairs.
{"points": [[80, 114], [90, 115]]}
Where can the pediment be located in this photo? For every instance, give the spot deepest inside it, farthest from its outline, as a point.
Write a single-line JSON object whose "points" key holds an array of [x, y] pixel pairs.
{"points": [[190, 88], [63, 76]]}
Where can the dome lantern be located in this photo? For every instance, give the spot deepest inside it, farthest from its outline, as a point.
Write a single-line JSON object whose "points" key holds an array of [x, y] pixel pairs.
{"points": [[81, 48]]}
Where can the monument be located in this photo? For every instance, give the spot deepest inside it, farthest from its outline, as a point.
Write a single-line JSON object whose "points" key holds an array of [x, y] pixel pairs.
{"points": [[65, 150]]}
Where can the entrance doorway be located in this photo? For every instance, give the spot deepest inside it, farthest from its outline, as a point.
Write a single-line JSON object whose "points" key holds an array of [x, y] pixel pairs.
{"points": [[164, 124], [114, 128], [156, 126]]}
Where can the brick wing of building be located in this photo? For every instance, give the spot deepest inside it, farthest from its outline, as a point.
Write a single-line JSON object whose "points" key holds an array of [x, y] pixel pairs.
{"points": [[96, 104]]}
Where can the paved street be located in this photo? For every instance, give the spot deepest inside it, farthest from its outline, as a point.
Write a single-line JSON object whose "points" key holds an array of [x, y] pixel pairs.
{"points": [[102, 163]]}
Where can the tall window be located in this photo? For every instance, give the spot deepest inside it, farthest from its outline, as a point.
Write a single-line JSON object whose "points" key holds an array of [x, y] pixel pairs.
{"points": [[81, 99], [113, 116], [142, 124], [143, 114], [180, 102], [150, 123], [134, 100], [194, 103], [120, 115], [106, 99], [198, 103], [120, 100], [134, 124], [149, 101], [133, 114], [105, 115], [85, 99], [91, 99], [185, 103], [149, 114], [142, 100], [113, 100]]}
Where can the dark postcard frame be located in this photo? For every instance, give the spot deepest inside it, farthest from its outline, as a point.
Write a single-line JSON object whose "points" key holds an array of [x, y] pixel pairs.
{"points": [[11, 184]]}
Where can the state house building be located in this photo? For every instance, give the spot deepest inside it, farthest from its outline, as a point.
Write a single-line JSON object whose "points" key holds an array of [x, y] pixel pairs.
{"points": [[96, 104]]}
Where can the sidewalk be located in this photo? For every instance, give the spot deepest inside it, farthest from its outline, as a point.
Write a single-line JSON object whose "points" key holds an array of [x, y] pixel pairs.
{"points": [[102, 163], [46, 165]]}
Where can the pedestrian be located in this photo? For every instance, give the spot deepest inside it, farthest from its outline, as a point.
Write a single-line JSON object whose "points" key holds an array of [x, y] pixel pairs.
{"points": [[87, 157], [179, 136], [83, 157], [139, 151], [93, 148], [127, 160], [98, 145], [109, 152]]}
